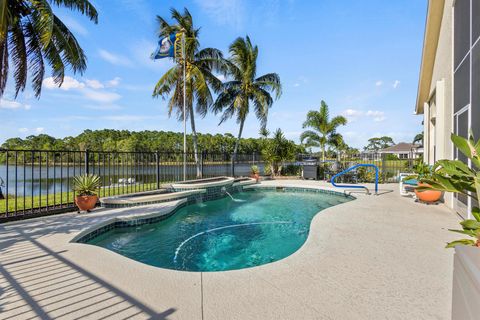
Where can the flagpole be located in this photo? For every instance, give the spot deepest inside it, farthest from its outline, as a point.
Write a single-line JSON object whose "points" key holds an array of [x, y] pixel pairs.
{"points": [[184, 109]]}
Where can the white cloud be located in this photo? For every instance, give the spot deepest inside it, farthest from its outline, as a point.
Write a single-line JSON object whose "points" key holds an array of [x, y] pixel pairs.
{"points": [[68, 83], [114, 59], [23, 130], [13, 105], [94, 84], [39, 130], [296, 85], [114, 82], [352, 114], [224, 12], [379, 83], [378, 116], [396, 84], [101, 96], [35, 130], [74, 25], [91, 89]]}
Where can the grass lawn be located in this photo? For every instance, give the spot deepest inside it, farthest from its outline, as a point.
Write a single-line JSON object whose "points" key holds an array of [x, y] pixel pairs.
{"points": [[57, 199]]}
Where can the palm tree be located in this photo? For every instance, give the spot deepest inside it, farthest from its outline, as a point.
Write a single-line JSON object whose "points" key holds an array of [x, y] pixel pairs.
{"points": [[418, 138], [244, 87], [200, 65], [323, 129], [31, 36]]}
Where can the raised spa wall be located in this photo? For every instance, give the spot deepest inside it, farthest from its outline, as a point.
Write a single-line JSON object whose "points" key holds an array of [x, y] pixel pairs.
{"points": [[193, 191]]}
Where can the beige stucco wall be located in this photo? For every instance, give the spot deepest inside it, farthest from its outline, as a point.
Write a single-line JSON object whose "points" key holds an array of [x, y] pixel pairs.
{"points": [[438, 133]]}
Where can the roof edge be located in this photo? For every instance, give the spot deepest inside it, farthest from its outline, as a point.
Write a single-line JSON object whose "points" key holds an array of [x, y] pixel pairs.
{"points": [[430, 44]]}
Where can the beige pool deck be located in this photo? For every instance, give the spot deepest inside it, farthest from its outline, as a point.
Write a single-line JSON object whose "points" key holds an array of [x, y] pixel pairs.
{"points": [[377, 257]]}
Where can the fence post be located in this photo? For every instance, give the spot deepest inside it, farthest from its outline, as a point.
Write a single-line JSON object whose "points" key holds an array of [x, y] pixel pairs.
{"points": [[233, 164], [86, 165], [384, 166], [202, 158], [157, 171]]}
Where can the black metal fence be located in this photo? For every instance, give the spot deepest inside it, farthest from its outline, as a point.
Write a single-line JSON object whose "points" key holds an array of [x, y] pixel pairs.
{"points": [[38, 182]]}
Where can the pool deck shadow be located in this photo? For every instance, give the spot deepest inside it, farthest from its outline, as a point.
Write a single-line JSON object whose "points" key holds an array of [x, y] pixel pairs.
{"points": [[371, 258]]}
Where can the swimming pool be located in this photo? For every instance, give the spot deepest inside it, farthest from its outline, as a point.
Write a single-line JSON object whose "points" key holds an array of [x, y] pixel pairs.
{"points": [[254, 228]]}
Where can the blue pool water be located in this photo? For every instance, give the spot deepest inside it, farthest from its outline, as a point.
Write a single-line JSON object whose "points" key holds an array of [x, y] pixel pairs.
{"points": [[258, 228]]}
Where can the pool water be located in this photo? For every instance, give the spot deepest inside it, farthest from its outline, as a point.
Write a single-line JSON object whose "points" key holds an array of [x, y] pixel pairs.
{"points": [[254, 228]]}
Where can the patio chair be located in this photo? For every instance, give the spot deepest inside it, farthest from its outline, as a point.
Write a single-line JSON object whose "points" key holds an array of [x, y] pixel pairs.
{"points": [[406, 187]]}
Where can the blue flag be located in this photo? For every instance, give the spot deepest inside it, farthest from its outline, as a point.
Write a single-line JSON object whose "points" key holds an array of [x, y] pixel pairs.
{"points": [[166, 47]]}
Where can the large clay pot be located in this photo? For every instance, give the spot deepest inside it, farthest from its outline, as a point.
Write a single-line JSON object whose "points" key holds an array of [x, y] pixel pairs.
{"points": [[428, 195], [86, 203], [256, 176]]}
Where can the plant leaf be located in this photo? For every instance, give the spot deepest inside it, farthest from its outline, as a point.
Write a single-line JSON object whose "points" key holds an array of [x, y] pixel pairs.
{"points": [[466, 242]]}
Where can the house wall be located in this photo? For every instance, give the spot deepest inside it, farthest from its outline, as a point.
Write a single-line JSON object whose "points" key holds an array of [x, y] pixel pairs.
{"points": [[438, 110]]}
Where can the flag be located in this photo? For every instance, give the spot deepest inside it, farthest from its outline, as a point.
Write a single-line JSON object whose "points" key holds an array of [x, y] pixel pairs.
{"points": [[166, 47]]}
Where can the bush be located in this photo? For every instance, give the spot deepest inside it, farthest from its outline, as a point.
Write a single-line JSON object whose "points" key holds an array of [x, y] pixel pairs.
{"points": [[291, 170]]}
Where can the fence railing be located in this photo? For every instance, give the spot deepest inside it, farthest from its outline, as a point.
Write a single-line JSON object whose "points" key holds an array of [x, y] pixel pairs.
{"points": [[38, 182]]}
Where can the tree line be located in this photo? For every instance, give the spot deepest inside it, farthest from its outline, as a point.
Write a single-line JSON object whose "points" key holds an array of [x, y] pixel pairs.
{"points": [[141, 141]]}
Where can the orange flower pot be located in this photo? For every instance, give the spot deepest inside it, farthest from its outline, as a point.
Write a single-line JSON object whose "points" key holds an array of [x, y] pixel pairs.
{"points": [[86, 203], [428, 196], [256, 176]]}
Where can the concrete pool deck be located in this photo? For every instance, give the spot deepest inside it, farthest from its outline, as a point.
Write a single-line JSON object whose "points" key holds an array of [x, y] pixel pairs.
{"points": [[377, 257]]}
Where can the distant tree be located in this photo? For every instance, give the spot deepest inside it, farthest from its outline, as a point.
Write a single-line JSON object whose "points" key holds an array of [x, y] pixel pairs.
{"points": [[32, 36], [245, 87], [375, 144], [323, 129]]}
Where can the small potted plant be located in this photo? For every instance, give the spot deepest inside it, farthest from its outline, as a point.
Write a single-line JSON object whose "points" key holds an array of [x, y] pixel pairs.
{"points": [[85, 187], [423, 192], [255, 172]]}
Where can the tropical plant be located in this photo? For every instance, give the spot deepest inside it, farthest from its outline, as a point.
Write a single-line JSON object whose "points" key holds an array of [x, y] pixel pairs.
{"points": [[324, 129], [254, 169], [86, 184], [199, 65], [277, 150], [244, 87], [456, 176], [31, 36]]}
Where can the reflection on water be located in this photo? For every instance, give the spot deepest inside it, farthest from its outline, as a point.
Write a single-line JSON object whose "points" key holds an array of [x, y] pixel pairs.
{"points": [[35, 180]]}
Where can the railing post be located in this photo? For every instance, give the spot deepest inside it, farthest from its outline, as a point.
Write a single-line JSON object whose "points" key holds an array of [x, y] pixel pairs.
{"points": [[86, 162], [233, 164], [202, 158], [384, 166], [157, 172]]}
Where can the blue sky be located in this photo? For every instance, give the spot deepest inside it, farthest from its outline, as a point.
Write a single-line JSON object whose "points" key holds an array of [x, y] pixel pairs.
{"points": [[361, 57]]}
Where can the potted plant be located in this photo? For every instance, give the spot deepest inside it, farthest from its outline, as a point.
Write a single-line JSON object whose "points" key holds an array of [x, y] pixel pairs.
{"points": [[85, 187], [255, 172], [457, 177], [423, 192]]}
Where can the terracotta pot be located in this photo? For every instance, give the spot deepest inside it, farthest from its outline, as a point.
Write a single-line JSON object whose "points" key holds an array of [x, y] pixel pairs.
{"points": [[428, 195], [256, 176], [86, 203]]}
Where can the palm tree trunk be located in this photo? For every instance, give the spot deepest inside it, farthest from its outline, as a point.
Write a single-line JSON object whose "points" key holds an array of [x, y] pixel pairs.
{"points": [[237, 143], [195, 143]]}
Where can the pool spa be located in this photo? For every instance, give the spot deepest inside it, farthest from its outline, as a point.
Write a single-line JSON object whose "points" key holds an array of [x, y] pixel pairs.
{"points": [[249, 228]]}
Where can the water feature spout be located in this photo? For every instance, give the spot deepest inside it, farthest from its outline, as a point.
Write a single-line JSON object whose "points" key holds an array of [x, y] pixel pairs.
{"points": [[234, 200]]}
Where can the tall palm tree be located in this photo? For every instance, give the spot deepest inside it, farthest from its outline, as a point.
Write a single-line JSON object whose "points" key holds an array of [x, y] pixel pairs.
{"points": [[200, 65], [31, 36], [323, 130], [244, 87]]}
